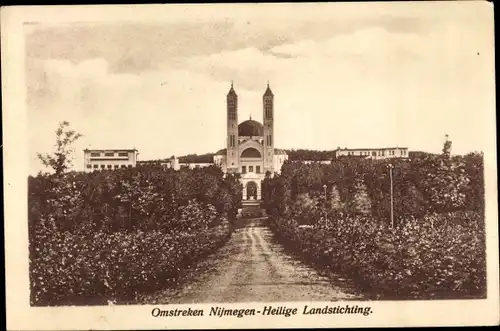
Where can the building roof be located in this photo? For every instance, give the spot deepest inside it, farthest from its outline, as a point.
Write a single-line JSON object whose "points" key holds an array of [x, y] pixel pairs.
{"points": [[250, 128], [231, 90], [268, 91], [369, 149], [221, 152]]}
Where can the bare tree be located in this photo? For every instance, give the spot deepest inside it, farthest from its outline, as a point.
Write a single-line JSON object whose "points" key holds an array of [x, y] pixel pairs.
{"points": [[61, 160]]}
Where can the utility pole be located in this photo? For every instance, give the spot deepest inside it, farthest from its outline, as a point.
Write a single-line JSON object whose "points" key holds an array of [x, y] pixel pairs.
{"points": [[326, 215], [392, 196]]}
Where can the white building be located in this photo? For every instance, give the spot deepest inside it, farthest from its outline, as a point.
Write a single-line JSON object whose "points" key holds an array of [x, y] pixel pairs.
{"points": [[173, 163], [109, 159], [250, 147], [249, 150], [373, 153]]}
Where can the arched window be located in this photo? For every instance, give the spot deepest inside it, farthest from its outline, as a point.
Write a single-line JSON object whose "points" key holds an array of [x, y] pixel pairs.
{"points": [[251, 152]]}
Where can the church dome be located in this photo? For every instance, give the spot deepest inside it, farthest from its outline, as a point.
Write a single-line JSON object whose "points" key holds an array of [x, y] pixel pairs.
{"points": [[250, 128]]}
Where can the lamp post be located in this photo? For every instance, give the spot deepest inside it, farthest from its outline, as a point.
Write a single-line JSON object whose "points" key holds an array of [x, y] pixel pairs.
{"points": [[392, 199], [326, 215]]}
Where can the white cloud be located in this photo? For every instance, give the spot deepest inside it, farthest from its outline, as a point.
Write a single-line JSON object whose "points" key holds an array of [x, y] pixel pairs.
{"points": [[368, 88]]}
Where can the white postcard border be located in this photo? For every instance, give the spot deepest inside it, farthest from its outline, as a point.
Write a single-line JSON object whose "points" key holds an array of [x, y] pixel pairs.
{"points": [[21, 316]]}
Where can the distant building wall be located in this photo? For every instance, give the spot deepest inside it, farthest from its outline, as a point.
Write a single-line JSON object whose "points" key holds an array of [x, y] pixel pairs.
{"points": [[176, 165], [373, 153], [311, 161]]}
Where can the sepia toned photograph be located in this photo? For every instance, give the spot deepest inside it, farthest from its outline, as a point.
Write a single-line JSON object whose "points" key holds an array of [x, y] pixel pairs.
{"points": [[244, 161]]}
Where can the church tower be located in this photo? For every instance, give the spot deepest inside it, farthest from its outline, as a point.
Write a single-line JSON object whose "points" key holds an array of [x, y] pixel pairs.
{"points": [[268, 103], [232, 131]]}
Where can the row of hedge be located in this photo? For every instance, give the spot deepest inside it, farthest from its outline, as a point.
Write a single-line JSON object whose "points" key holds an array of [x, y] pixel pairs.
{"points": [[146, 198], [110, 236], [97, 268], [438, 257], [431, 184], [436, 248]]}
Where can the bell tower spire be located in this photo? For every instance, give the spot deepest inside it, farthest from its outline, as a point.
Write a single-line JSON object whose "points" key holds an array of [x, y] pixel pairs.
{"points": [[268, 105], [232, 131]]}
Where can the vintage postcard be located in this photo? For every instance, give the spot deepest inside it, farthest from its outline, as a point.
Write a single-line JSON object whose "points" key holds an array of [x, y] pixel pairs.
{"points": [[243, 166]]}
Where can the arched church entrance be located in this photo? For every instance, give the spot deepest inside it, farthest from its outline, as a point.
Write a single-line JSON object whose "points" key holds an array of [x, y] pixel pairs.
{"points": [[251, 191]]}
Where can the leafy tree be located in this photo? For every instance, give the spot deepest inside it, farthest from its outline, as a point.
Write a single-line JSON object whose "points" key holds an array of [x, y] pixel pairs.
{"points": [[60, 160], [427, 183], [304, 208], [474, 170], [361, 203], [447, 147], [195, 158], [335, 202]]}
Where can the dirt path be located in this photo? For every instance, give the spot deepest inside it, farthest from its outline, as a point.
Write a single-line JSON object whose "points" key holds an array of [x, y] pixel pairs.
{"points": [[251, 267]]}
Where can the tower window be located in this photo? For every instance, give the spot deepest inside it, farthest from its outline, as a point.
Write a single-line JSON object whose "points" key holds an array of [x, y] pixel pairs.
{"points": [[257, 169], [250, 168], [269, 140], [268, 109], [244, 169], [231, 111]]}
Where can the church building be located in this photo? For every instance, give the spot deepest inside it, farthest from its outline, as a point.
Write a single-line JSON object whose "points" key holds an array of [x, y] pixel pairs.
{"points": [[250, 147]]}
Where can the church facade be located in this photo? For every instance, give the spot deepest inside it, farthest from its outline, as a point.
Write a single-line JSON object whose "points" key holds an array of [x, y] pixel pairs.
{"points": [[250, 147]]}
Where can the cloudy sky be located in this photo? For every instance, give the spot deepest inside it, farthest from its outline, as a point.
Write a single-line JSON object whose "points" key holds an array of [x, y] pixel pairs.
{"points": [[348, 75]]}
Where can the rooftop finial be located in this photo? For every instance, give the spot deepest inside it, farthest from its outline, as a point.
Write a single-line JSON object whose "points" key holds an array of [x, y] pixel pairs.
{"points": [[268, 83], [231, 83], [250, 117]]}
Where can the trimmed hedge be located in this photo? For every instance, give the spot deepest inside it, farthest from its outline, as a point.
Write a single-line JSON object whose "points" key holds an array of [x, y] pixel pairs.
{"points": [[441, 256], [97, 268], [109, 236], [437, 247], [431, 184]]}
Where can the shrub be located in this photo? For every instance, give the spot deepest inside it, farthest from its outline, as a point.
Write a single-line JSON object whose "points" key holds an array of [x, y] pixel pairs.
{"points": [[437, 248], [106, 236], [428, 184], [97, 268], [441, 256]]}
